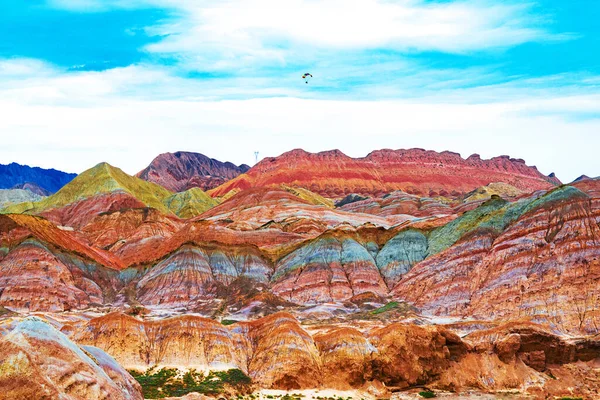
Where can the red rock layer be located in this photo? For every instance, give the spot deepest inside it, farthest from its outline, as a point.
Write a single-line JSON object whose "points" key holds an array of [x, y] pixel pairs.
{"points": [[397, 203], [547, 263], [80, 213], [259, 206], [193, 273], [328, 269], [181, 171], [416, 171], [15, 227], [272, 243], [129, 231], [33, 279]]}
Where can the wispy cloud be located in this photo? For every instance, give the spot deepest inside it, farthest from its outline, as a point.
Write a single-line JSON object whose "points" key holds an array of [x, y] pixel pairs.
{"points": [[223, 78], [58, 119], [229, 34]]}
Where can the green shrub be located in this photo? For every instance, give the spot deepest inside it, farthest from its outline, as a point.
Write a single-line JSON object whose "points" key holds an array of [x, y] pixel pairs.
{"points": [[157, 384], [228, 322], [389, 306], [427, 394]]}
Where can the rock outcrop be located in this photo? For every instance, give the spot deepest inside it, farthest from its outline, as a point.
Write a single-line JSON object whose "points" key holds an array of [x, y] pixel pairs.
{"points": [[193, 273], [539, 256], [182, 171], [415, 171], [39, 362], [277, 352]]}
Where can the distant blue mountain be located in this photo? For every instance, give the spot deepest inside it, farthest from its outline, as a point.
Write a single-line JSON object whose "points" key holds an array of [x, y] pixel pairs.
{"points": [[15, 174]]}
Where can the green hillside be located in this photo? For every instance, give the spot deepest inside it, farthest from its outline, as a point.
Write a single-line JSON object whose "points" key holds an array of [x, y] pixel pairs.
{"points": [[103, 178], [190, 203]]}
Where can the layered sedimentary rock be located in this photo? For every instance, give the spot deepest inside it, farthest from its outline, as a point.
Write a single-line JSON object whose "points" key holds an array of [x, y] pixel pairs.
{"points": [[189, 341], [283, 354], [44, 268], [191, 273], [328, 269], [416, 171], [535, 256], [38, 362], [130, 231], [106, 189], [501, 189], [15, 228], [345, 356], [80, 213], [397, 203], [182, 170], [32, 278], [190, 203], [260, 206], [99, 180], [400, 254], [278, 353]]}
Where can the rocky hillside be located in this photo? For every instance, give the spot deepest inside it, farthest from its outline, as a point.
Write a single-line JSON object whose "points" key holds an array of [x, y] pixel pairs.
{"points": [[339, 277], [182, 170], [416, 171]]}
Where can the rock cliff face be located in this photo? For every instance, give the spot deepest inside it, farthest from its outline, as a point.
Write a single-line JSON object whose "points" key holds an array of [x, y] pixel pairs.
{"points": [[415, 171], [192, 273], [32, 278], [278, 353], [39, 362], [399, 203], [328, 269], [546, 262], [182, 170]]}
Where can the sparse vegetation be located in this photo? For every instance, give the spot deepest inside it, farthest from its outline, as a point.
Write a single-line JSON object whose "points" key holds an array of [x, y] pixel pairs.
{"points": [[389, 306], [227, 322], [165, 382], [427, 394]]}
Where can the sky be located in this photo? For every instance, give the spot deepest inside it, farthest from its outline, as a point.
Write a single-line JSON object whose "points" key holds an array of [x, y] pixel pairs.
{"points": [[86, 81]]}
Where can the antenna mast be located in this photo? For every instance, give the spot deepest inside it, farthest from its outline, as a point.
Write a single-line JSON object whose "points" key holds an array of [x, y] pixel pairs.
{"points": [[256, 157]]}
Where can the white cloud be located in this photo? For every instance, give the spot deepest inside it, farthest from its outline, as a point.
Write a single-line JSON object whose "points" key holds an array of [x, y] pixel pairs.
{"points": [[232, 34], [129, 115]]}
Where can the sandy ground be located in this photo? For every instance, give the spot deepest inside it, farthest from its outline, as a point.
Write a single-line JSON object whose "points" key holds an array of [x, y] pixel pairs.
{"points": [[320, 394]]}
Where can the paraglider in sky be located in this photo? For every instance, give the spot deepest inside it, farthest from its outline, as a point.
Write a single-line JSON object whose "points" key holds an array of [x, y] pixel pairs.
{"points": [[306, 76]]}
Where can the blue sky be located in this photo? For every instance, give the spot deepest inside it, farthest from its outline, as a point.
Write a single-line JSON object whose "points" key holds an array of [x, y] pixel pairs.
{"points": [[83, 81]]}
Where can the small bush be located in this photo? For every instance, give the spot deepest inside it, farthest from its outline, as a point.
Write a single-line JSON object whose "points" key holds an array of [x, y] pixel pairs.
{"points": [[427, 394], [166, 383], [228, 322], [389, 306]]}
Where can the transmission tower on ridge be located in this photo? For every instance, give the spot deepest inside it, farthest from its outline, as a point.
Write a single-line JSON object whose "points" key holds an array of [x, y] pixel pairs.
{"points": [[256, 157]]}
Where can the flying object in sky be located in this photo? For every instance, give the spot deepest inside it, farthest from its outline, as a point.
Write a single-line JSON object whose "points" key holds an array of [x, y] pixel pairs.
{"points": [[306, 77]]}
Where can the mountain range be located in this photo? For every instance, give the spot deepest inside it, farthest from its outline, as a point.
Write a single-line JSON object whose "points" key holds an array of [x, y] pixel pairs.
{"points": [[403, 269], [14, 176]]}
